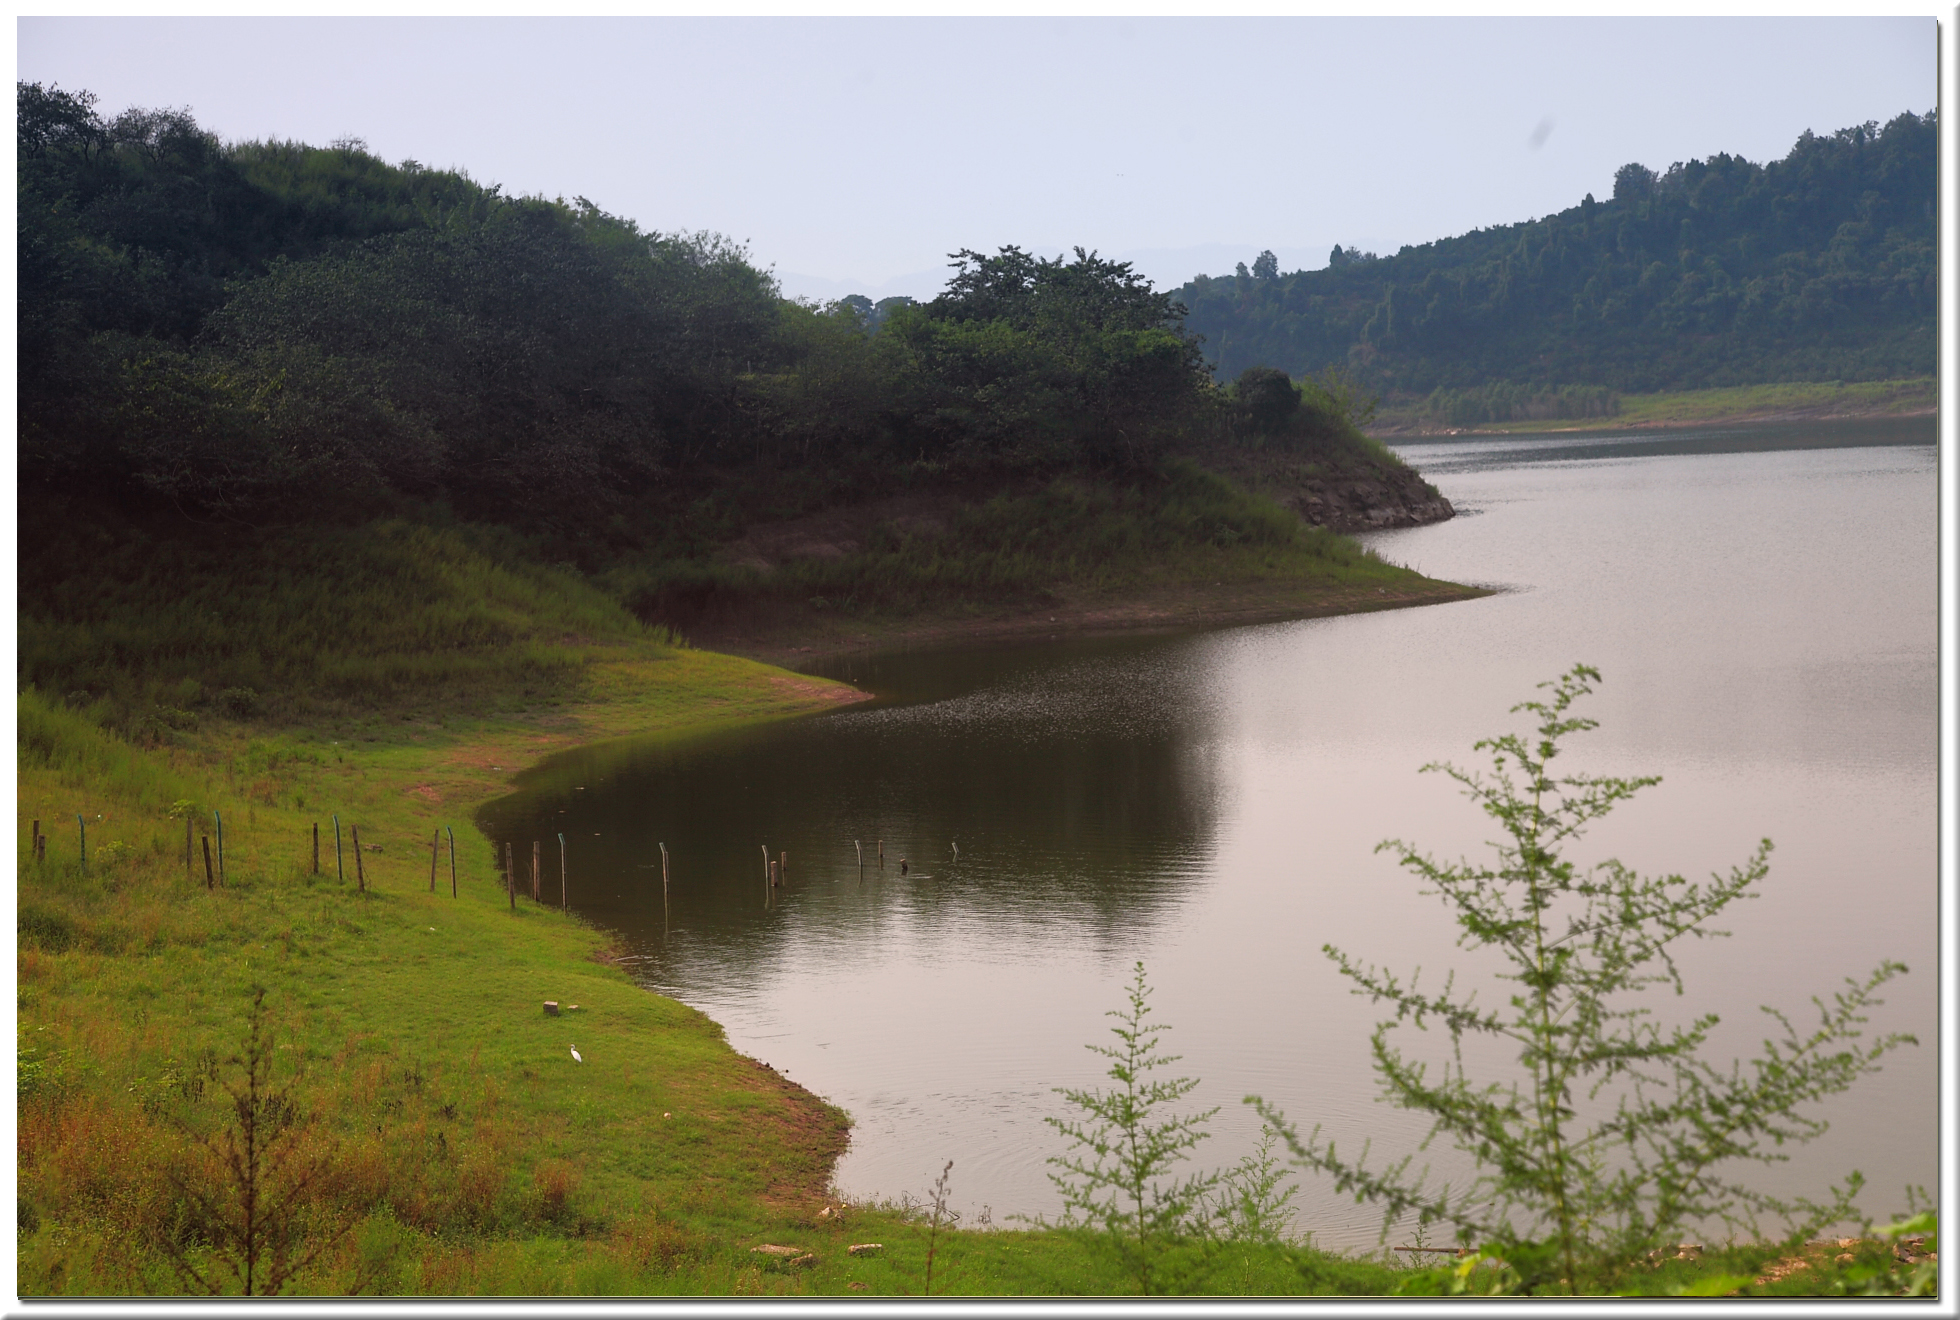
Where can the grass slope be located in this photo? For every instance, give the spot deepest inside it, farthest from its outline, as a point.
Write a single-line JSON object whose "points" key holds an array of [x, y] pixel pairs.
{"points": [[1794, 399]]}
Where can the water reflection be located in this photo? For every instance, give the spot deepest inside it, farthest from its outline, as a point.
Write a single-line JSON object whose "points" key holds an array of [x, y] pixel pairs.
{"points": [[1073, 801]]}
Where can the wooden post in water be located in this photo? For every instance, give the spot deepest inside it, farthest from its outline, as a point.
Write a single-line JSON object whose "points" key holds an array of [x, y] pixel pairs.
{"points": [[663, 882], [563, 887], [881, 854], [316, 844], [360, 868], [775, 875], [452, 859], [435, 855], [782, 862], [210, 881], [537, 869], [765, 869]]}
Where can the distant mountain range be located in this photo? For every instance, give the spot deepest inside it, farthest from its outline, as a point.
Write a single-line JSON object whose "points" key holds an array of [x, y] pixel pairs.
{"points": [[1819, 266]]}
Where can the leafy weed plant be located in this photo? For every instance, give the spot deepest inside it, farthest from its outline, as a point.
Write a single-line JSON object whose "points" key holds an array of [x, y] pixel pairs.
{"points": [[1117, 1177], [1566, 1203]]}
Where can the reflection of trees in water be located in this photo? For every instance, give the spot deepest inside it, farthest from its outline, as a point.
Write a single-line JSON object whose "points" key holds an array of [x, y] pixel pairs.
{"points": [[1073, 800]]}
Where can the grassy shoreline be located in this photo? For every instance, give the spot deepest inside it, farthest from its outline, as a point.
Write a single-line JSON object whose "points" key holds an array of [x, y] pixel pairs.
{"points": [[1790, 401], [466, 1151], [470, 1152], [414, 1016]]}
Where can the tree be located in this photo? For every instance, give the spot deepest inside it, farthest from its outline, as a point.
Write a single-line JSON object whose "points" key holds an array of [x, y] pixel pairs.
{"points": [[1619, 1134], [1633, 182], [1265, 267], [1267, 399], [255, 1203], [1118, 1180]]}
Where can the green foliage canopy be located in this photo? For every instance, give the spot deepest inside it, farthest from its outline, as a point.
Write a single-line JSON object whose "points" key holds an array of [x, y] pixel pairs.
{"points": [[1721, 271]]}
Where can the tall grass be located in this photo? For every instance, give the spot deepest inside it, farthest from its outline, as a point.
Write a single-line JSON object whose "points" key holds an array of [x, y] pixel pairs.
{"points": [[1072, 535], [154, 624]]}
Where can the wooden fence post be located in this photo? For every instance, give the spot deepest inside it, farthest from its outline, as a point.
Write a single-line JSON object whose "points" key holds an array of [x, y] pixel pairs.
{"points": [[221, 844], [210, 881], [360, 869], [510, 879], [537, 867], [339, 864], [435, 855], [452, 859], [563, 901], [316, 847]]}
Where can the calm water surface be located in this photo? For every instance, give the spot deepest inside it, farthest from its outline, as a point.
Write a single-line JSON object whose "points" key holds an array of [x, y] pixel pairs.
{"points": [[1762, 602]]}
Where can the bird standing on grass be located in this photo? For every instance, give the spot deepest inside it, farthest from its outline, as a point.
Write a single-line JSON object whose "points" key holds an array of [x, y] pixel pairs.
{"points": [[576, 1056]]}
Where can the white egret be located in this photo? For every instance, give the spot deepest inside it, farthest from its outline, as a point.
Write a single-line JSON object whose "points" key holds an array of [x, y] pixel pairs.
{"points": [[576, 1056]]}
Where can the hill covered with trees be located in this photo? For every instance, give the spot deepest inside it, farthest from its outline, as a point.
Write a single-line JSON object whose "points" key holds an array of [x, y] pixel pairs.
{"points": [[225, 344], [1819, 266]]}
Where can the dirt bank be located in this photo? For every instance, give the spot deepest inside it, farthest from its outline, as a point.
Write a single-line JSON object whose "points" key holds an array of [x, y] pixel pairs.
{"points": [[803, 637]]}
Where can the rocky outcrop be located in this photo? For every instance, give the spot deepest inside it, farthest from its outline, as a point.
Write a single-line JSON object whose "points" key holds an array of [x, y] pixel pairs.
{"points": [[1341, 491], [1367, 502]]}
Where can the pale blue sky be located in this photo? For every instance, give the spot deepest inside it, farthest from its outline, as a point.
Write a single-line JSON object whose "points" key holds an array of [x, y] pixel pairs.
{"points": [[862, 150]]}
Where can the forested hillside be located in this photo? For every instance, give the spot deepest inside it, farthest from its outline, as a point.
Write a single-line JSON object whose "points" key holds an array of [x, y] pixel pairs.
{"points": [[234, 355], [244, 329], [1819, 266]]}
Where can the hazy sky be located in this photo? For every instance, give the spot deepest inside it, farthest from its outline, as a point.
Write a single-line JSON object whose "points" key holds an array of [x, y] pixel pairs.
{"points": [[863, 150]]}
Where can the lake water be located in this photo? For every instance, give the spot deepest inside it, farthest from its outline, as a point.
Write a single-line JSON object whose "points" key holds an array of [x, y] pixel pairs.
{"points": [[1762, 603]]}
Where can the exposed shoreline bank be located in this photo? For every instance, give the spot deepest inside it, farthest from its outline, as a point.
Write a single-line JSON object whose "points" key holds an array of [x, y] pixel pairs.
{"points": [[806, 640]]}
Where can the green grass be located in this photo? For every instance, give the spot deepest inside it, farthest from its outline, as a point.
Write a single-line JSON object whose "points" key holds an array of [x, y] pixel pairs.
{"points": [[1871, 397], [1737, 403], [1074, 535], [158, 619]]}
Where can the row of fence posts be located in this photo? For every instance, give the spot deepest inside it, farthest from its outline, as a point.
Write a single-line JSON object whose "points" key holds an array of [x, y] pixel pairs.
{"points": [[214, 875], [537, 874], [775, 871], [214, 865]]}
